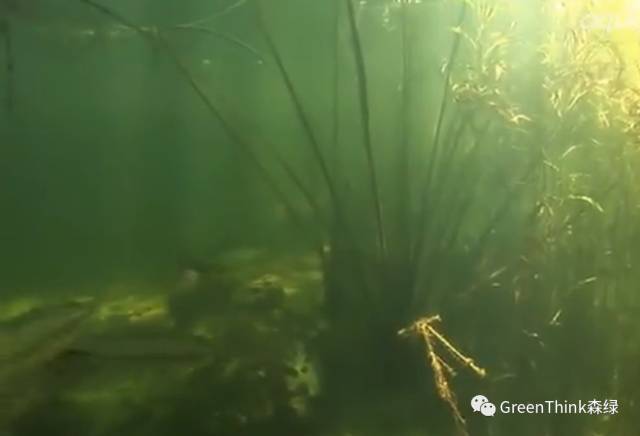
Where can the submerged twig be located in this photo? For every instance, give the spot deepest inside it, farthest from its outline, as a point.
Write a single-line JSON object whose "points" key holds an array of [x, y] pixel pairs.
{"points": [[442, 371], [366, 125]]}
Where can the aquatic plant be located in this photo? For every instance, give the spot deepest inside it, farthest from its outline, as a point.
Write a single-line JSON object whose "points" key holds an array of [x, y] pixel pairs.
{"points": [[481, 204], [378, 280], [370, 294]]}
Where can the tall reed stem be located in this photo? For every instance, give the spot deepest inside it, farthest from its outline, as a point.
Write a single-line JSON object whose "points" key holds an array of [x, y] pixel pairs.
{"points": [[404, 188], [366, 126], [435, 144], [157, 39], [299, 110], [335, 127]]}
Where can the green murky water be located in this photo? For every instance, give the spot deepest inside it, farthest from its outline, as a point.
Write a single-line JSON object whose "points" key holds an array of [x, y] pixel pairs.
{"points": [[319, 218]]}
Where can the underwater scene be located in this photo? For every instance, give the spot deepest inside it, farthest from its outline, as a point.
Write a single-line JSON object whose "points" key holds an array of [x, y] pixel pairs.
{"points": [[319, 218]]}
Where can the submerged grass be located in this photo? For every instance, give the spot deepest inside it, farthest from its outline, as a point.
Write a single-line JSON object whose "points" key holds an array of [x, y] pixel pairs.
{"points": [[373, 303], [365, 116]]}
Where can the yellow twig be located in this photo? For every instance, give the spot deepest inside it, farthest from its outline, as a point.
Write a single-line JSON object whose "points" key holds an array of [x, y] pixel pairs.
{"points": [[424, 327]]}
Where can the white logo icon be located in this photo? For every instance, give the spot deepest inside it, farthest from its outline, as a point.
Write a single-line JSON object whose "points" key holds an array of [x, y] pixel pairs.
{"points": [[488, 409], [478, 401], [481, 404]]}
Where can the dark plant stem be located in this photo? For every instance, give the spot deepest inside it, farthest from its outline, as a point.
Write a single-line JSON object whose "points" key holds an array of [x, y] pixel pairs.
{"points": [[513, 194], [447, 170], [427, 221], [435, 144], [439, 192], [239, 140], [342, 227], [306, 193], [445, 95], [299, 110], [404, 189], [5, 30], [335, 133], [220, 35], [157, 39], [366, 126]]}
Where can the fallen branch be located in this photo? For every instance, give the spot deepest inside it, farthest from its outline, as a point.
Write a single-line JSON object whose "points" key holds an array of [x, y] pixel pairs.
{"points": [[442, 371]]}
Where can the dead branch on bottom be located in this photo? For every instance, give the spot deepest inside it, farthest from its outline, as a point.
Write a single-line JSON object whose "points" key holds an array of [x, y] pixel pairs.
{"points": [[442, 371]]}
